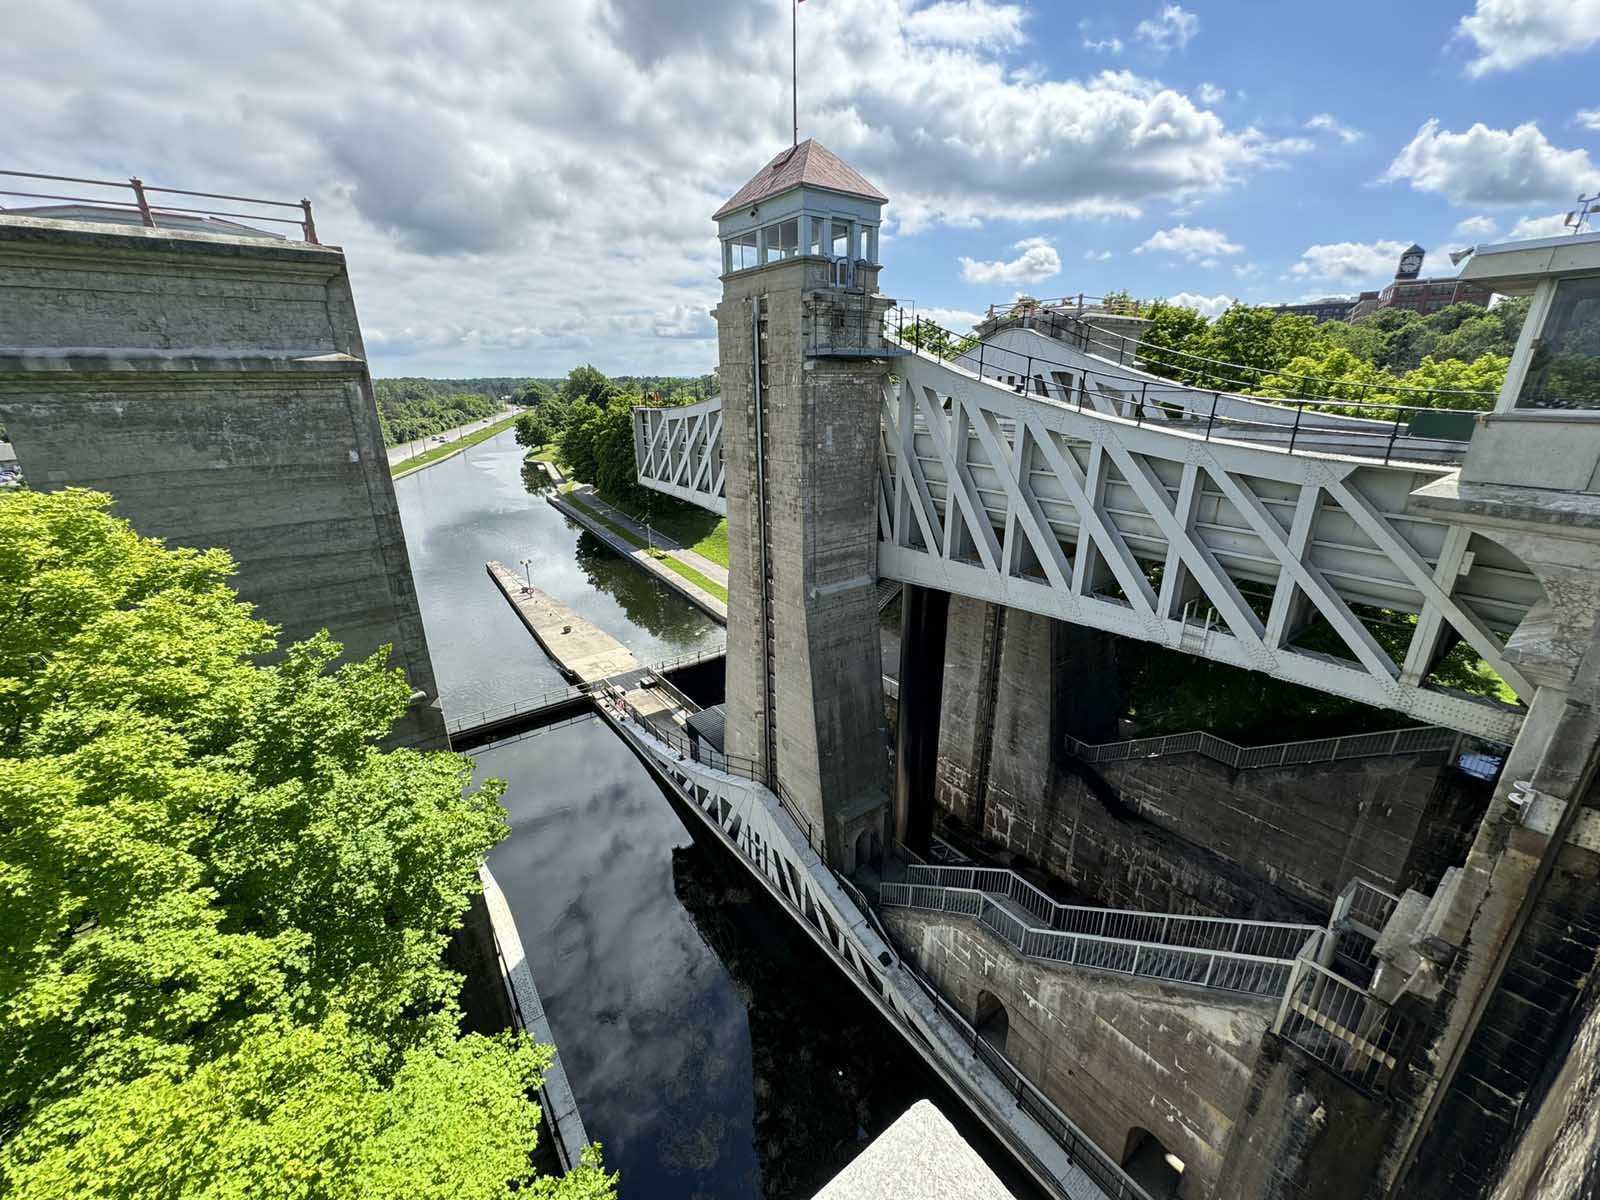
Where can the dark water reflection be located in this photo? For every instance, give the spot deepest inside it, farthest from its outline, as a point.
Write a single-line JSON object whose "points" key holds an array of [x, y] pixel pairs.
{"points": [[714, 1051], [462, 512]]}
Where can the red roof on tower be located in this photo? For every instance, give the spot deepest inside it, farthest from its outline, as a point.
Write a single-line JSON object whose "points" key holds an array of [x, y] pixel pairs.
{"points": [[811, 164]]}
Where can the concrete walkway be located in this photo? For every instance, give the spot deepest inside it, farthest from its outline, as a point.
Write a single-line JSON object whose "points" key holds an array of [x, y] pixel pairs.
{"points": [[713, 606], [409, 450], [584, 652], [713, 571]]}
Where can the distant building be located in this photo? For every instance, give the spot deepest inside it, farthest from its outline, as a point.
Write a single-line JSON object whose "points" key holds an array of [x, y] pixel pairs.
{"points": [[1329, 308], [1424, 295], [1366, 304]]}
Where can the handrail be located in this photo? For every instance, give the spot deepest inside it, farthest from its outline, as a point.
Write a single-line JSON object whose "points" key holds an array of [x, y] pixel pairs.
{"points": [[1123, 344], [572, 692], [1214, 969], [1415, 739], [148, 213], [1169, 402], [1236, 935]]}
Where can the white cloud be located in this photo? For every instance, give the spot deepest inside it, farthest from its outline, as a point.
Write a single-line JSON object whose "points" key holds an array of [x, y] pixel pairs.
{"points": [[1210, 93], [1476, 227], [551, 204], [1097, 255], [1537, 227], [1173, 28], [1349, 263], [1509, 33], [1328, 123], [969, 22], [1190, 243], [957, 320], [1589, 118], [1037, 261], [1245, 270], [1105, 45], [1206, 306], [1491, 166]]}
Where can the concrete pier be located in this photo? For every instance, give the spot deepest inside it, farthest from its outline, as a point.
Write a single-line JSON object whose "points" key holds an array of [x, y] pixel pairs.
{"points": [[583, 652]]}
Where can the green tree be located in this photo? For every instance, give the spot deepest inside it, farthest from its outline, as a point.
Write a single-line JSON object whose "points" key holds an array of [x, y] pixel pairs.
{"points": [[925, 335], [225, 908], [1174, 333], [533, 429], [1454, 383], [1332, 373]]}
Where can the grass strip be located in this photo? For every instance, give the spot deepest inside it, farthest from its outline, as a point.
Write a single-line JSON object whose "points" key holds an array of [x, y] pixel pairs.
{"points": [[663, 557], [449, 448]]}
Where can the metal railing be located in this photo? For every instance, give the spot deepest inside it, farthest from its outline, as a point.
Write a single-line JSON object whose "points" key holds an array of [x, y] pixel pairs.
{"points": [[1259, 939], [1079, 1149], [1339, 1022], [1212, 413], [1164, 962], [1416, 739], [150, 214], [1027, 306], [1071, 326], [560, 696], [1342, 1025]]}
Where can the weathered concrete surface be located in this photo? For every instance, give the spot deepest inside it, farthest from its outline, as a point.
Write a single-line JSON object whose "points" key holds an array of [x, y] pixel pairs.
{"points": [[1304, 1133], [802, 605], [218, 389], [583, 651], [919, 1157], [1116, 1054], [1178, 833]]}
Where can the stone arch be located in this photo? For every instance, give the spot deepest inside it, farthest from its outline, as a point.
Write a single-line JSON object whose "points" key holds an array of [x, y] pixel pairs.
{"points": [[1151, 1164], [991, 1020], [868, 850]]}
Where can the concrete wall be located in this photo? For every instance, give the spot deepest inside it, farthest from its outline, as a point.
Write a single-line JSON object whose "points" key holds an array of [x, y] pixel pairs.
{"points": [[1114, 1053], [1303, 1134], [218, 389], [1180, 832], [821, 433]]}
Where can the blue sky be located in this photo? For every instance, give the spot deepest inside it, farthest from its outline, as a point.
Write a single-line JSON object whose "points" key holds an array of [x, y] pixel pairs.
{"points": [[523, 187]]}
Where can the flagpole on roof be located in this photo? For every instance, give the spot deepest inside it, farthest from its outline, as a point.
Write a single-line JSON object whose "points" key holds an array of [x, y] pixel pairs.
{"points": [[794, 65]]}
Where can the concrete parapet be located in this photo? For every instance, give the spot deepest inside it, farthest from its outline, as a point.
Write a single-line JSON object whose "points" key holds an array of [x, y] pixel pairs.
{"points": [[217, 387]]}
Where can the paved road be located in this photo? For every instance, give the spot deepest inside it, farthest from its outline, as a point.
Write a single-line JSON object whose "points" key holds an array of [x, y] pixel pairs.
{"points": [[399, 454]]}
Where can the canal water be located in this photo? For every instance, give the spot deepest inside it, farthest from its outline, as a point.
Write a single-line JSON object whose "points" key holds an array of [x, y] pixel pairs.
{"points": [[715, 1053]]}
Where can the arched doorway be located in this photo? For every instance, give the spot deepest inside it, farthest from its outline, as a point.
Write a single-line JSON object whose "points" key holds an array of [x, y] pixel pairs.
{"points": [[992, 1021], [869, 851], [1152, 1165]]}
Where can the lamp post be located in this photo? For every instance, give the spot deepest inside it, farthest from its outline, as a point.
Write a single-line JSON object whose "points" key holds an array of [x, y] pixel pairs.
{"points": [[527, 569]]}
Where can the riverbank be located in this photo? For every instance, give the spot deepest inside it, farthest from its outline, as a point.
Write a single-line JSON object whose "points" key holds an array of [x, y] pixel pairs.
{"points": [[467, 437], [693, 578]]}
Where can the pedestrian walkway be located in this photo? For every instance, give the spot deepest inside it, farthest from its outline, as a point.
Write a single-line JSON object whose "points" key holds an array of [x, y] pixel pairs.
{"points": [[713, 571]]}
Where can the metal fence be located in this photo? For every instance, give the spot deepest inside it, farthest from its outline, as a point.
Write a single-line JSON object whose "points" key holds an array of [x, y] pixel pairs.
{"points": [[1209, 412], [151, 214], [1079, 1149], [1222, 970], [1414, 740], [1257, 939], [1342, 1025]]}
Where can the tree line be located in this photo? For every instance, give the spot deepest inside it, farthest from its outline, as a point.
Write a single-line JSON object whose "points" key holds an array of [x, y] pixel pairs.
{"points": [[409, 409], [589, 419], [1454, 358]]}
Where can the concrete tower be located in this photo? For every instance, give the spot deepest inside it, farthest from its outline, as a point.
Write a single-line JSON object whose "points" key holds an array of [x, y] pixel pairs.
{"points": [[802, 365]]}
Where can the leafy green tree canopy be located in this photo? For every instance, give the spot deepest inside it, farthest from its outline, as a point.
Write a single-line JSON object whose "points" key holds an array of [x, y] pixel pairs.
{"points": [[224, 907]]}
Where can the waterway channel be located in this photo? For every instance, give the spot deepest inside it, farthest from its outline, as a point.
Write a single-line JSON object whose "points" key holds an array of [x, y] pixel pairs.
{"points": [[713, 1050]]}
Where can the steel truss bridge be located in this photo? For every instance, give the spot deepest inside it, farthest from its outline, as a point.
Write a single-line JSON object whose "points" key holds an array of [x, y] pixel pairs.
{"points": [[1275, 536]]}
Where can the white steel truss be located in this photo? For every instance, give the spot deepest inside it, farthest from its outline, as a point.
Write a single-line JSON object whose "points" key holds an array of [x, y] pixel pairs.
{"points": [[1303, 565], [679, 452]]}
